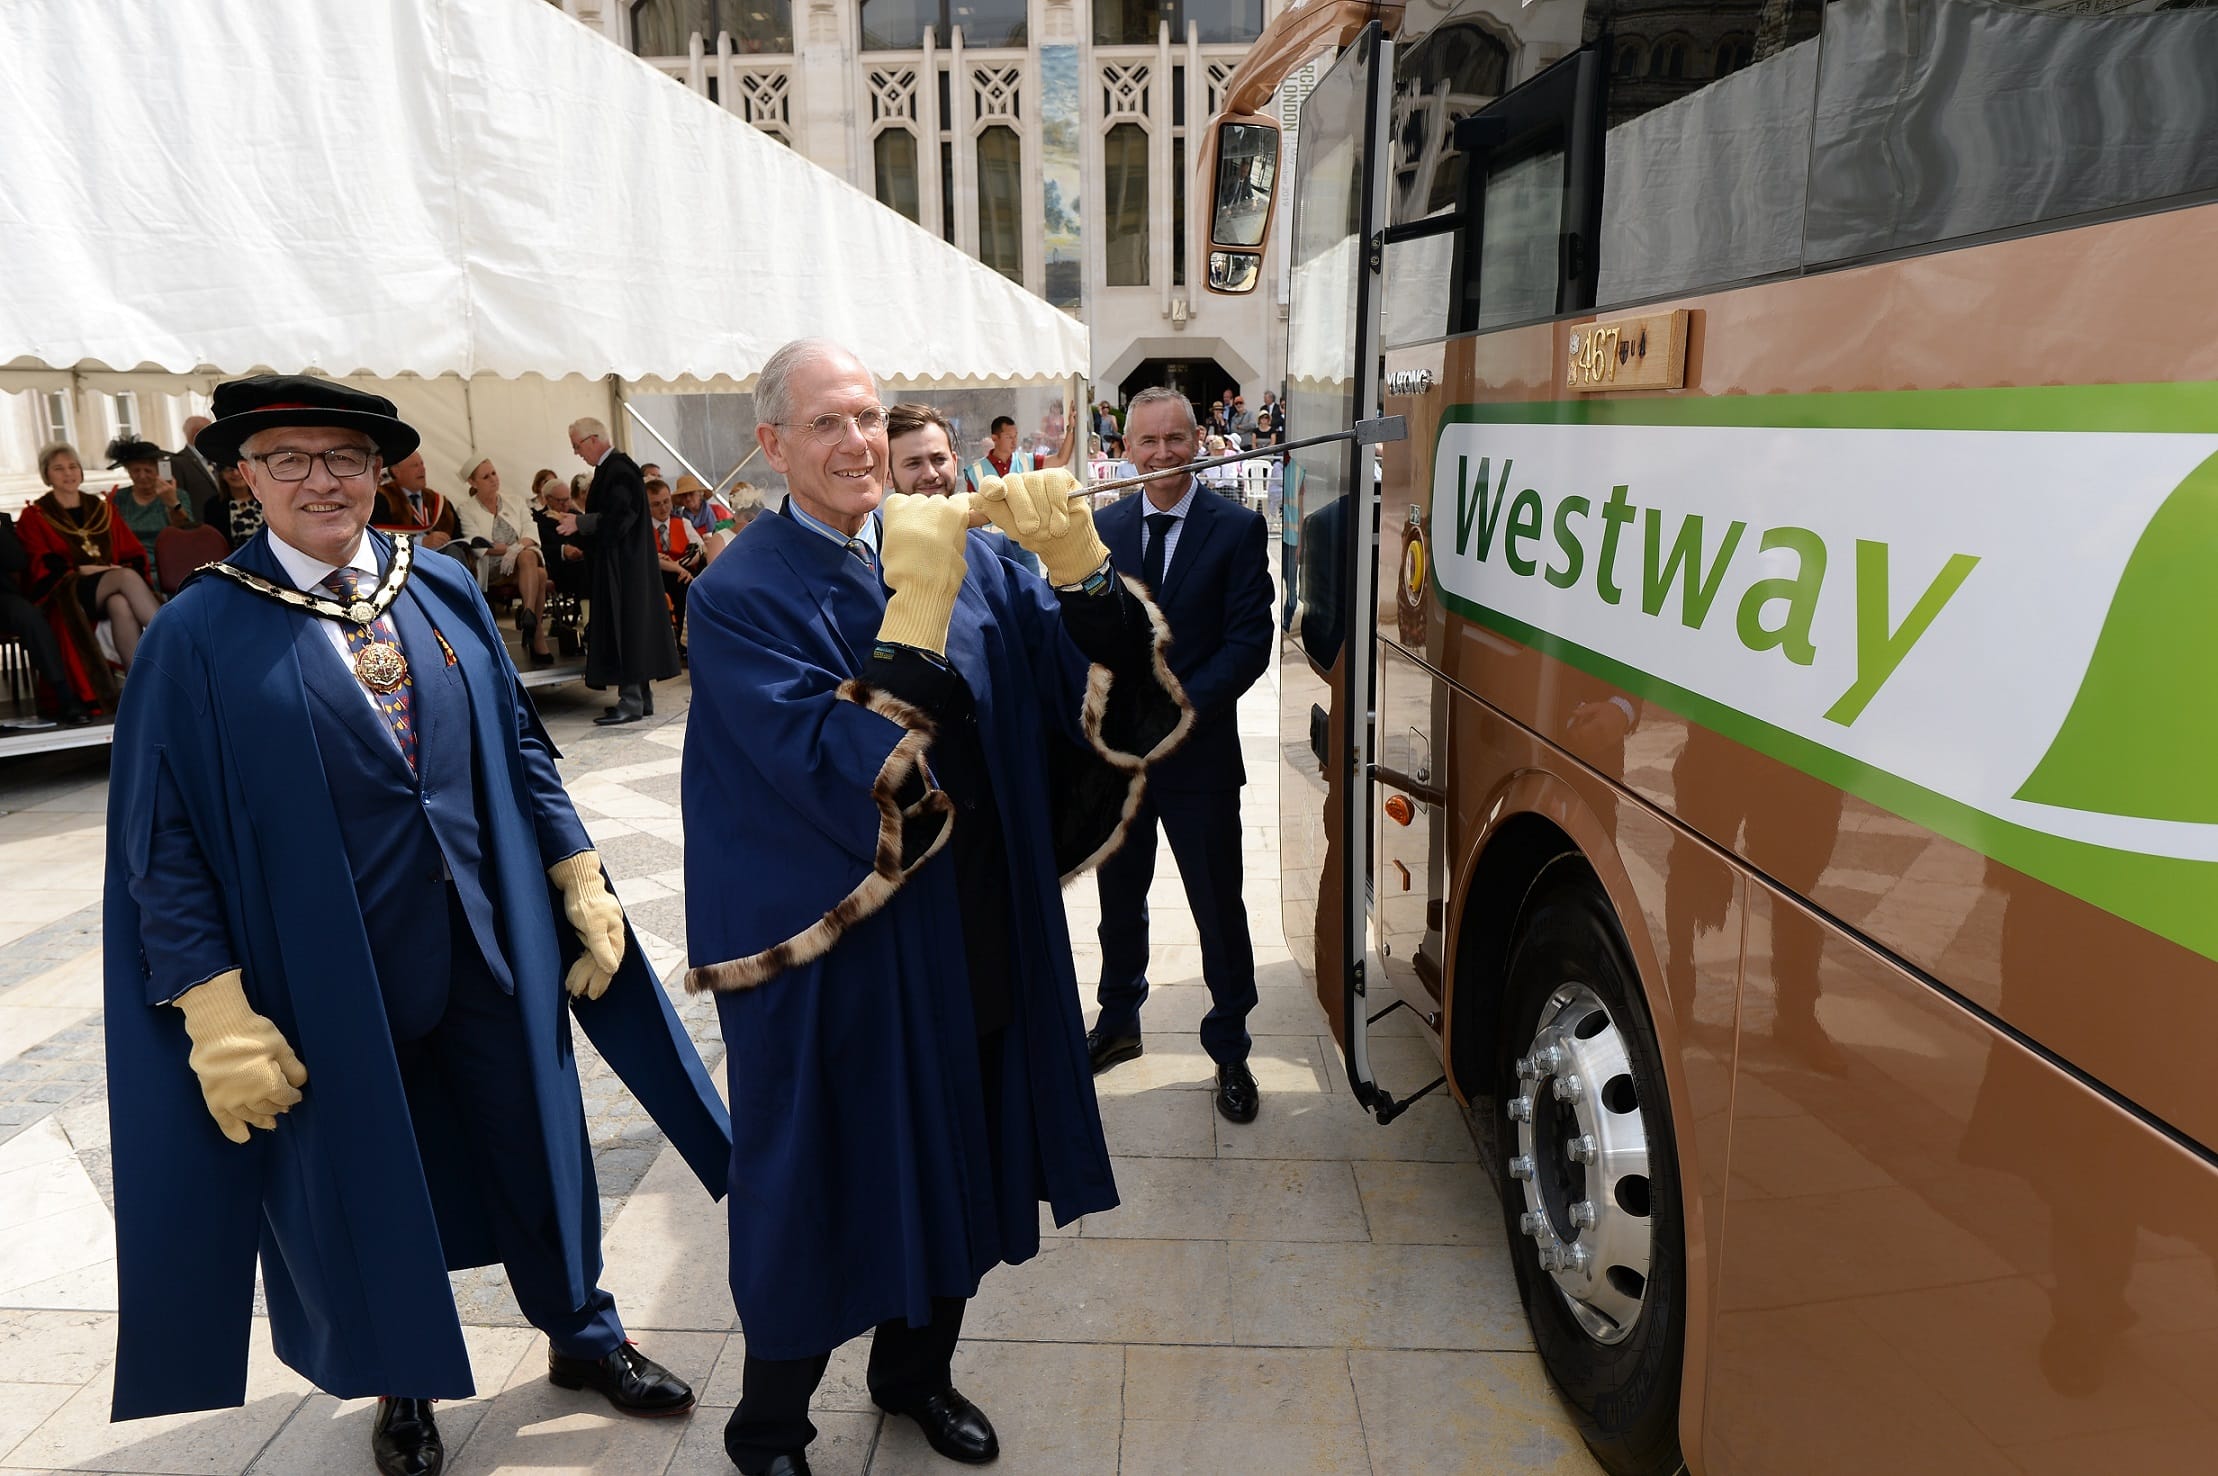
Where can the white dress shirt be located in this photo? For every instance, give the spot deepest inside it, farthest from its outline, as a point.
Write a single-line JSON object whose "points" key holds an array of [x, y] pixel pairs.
{"points": [[1178, 510], [308, 576]]}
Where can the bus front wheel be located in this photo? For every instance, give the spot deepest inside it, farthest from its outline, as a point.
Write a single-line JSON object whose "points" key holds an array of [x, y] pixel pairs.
{"points": [[1589, 1176]]}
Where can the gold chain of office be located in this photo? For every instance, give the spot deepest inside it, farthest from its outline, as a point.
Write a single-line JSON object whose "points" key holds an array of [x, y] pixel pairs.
{"points": [[379, 665]]}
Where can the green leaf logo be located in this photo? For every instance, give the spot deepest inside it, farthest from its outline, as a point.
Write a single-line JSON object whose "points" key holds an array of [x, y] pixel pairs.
{"points": [[2141, 738]]}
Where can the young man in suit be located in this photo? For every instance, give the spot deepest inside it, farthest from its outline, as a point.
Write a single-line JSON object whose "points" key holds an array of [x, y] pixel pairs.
{"points": [[1203, 556]]}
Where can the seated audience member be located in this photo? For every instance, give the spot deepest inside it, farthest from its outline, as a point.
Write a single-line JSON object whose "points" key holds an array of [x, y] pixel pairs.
{"points": [[86, 566], [150, 502], [581, 490], [539, 481], [510, 555], [677, 552], [21, 619], [709, 517], [650, 471], [566, 565], [233, 511], [406, 505]]}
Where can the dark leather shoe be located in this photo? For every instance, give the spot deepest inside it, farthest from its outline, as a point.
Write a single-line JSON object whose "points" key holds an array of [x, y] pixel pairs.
{"points": [[633, 1382], [1106, 1051], [404, 1441], [1237, 1096], [616, 717], [953, 1426]]}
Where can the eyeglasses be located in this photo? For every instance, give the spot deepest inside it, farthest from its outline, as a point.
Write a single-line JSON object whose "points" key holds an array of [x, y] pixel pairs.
{"points": [[831, 429], [293, 466]]}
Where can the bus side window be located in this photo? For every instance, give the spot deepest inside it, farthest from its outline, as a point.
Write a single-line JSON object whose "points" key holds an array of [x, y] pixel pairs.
{"points": [[1705, 165], [2046, 110]]}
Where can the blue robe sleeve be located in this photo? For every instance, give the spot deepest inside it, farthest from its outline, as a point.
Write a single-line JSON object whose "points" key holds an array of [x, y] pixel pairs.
{"points": [[183, 935], [1111, 705], [553, 817], [812, 778]]}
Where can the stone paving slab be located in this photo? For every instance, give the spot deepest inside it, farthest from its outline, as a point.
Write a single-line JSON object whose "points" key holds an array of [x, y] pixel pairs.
{"points": [[1308, 1293]]}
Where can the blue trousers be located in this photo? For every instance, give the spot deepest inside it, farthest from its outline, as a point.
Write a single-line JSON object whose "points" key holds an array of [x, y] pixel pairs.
{"points": [[476, 1053], [1204, 832]]}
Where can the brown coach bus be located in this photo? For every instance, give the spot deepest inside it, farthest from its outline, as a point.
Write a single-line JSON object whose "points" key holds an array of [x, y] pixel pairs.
{"points": [[1764, 716]]}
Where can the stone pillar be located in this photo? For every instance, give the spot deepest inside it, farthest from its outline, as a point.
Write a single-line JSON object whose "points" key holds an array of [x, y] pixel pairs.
{"points": [[966, 146], [825, 73]]}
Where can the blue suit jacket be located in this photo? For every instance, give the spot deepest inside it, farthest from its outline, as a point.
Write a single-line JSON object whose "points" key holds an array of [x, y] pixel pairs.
{"points": [[1216, 595]]}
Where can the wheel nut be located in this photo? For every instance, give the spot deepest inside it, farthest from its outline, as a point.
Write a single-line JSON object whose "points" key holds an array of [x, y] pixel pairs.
{"points": [[1521, 1167], [1520, 1109], [1581, 1149], [1577, 1258], [1531, 1223], [1548, 1059], [1582, 1213], [1526, 1070], [1569, 1089]]}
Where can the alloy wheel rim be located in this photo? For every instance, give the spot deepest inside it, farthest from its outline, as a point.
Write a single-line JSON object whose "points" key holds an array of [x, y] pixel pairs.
{"points": [[1582, 1161]]}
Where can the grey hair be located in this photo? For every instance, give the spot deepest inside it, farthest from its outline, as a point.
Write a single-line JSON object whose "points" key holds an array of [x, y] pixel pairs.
{"points": [[52, 449], [1160, 395], [774, 385], [587, 429]]}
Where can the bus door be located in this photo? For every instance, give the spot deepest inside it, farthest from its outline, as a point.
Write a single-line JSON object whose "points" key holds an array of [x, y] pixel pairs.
{"points": [[1331, 538]]}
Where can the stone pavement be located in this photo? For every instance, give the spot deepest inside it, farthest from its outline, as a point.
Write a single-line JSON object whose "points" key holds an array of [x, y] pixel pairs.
{"points": [[1311, 1293]]}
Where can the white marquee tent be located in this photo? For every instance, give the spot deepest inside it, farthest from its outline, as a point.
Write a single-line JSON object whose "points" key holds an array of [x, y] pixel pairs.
{"points": [[449, 198]]}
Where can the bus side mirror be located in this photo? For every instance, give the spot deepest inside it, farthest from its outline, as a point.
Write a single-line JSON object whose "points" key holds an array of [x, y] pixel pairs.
{"points": [[1240, 162]]}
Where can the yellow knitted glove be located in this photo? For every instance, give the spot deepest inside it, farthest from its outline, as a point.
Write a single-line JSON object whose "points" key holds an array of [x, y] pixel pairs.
{"points": [[922, 552], [248, 1074], [1039, 512], [594, 912]]}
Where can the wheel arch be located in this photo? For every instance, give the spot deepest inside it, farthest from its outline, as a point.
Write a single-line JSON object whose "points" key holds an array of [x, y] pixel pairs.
{"points": [[1534, 818]]}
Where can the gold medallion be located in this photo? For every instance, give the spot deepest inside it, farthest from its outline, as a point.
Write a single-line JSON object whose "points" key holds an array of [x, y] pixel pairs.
{"points": [[361, 612], [381, 666]]}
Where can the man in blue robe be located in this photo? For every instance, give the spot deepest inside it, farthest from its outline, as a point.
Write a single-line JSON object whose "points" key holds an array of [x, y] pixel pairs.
{"points": [[342, 879], [899, 742]]}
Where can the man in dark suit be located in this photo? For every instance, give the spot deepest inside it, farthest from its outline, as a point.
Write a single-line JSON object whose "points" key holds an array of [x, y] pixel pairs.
{"points": [[1203, 556], [198, 480], [343, 885], [628, 639]]}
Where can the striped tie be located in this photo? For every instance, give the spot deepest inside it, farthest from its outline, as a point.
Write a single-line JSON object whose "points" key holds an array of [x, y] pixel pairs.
{"points": [[398, 705]]}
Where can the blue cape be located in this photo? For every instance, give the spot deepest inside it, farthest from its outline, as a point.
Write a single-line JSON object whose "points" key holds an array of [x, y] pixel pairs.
{"points": [[355, 1226], [862, 1182]]}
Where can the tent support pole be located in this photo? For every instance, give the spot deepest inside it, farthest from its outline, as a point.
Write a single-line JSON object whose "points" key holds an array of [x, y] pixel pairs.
{"points": [[675, 454]]}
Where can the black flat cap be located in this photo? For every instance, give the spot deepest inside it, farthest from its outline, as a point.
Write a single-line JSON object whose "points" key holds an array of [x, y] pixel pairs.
{"points": [[244, 406]]}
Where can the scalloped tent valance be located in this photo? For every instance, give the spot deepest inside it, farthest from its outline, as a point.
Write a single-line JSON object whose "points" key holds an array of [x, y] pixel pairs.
{"points": [[428, 187]]}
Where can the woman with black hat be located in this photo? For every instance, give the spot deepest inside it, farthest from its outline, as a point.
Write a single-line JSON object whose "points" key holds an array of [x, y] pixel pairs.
{"points": [[86, 566], [150, 503]]}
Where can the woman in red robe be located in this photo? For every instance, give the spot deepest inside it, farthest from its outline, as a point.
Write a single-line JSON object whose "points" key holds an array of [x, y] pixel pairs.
{"points": [[86, 566]]}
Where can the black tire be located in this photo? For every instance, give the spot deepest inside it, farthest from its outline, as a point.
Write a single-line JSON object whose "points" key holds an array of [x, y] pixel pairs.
{"points": [[1624, 1394]]}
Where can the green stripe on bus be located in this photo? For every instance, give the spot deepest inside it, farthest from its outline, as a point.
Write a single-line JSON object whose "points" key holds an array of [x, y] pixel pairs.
{"points": [[2164, 408], [2168, 896]]}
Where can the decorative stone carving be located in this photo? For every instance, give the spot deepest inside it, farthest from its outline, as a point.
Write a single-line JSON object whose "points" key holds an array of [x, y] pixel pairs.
{"points": [[997, 93], [1124, 90], [892, 95]]}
